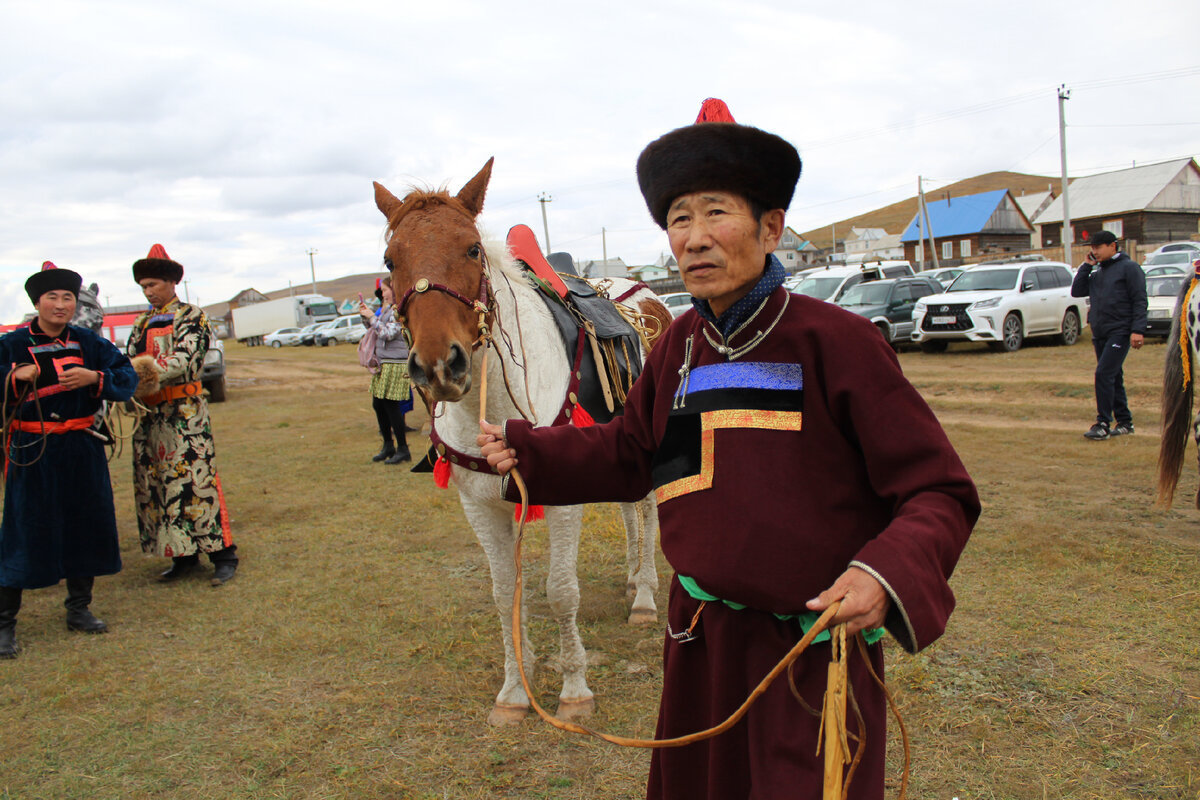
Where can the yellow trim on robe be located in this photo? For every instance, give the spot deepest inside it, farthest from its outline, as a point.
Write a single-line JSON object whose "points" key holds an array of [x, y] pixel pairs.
{"points": [[711, 421]]}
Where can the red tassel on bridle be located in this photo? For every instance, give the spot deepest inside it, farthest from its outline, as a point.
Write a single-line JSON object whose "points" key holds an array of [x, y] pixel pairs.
{"points": [[441, 473], [580, 418], [535, 513]]}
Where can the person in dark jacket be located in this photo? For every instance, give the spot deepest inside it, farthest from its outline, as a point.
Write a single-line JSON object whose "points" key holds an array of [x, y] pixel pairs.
{"points": [[1117, 288]]}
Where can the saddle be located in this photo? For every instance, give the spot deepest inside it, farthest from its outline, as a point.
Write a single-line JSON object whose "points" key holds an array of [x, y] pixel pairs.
{"points": [[603, 347]]}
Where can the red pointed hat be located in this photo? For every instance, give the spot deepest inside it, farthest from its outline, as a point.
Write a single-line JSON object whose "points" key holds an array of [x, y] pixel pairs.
{"points": [[717, 154], [158, 265]]}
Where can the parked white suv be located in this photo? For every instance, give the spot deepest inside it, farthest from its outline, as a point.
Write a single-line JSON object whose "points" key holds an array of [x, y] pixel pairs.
{"points": [[1001, 304]]}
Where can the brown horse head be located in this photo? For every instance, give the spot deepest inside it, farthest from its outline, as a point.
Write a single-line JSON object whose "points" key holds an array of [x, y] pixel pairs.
{"points": [[438, 276]]}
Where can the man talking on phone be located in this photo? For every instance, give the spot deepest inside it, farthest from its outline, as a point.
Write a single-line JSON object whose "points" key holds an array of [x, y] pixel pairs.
{"points": [[1117, 288]]}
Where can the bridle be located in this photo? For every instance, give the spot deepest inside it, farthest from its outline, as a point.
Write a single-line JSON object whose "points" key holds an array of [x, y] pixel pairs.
{"points": [[483, 305]]}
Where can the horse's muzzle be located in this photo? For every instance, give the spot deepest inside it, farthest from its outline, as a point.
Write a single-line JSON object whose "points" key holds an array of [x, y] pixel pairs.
{"points": [[445, 380]]}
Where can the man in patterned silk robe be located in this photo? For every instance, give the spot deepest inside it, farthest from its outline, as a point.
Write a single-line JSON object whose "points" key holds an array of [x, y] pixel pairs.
{"points": [[180, 502]]}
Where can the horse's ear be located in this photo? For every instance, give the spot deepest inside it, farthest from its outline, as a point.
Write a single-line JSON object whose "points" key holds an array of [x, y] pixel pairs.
{"points": [[385, 201], [472, 194]]}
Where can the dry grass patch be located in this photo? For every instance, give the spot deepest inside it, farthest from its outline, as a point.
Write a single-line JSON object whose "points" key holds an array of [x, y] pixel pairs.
{"points": [[357, 652]]}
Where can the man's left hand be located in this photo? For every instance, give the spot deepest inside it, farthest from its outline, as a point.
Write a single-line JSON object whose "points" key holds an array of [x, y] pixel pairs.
{"points": [[78, 378], [864, 602], [1136, 340]]}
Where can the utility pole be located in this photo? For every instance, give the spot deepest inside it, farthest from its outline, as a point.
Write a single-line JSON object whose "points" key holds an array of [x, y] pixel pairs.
{"points": [[312, 251], [832, 241], [928, 225], [544, 198], [1068, 235], [186, 297], [604, 243]]}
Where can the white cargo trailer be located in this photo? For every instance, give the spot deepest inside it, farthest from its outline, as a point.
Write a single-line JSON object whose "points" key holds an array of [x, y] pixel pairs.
{"points": [[252, 322]]}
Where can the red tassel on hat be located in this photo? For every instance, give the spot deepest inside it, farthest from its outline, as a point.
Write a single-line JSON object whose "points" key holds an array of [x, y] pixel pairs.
{"points": [[714, 110], [48, 265], [535, 513], [441, 473], [158, 251], [580, 418]]}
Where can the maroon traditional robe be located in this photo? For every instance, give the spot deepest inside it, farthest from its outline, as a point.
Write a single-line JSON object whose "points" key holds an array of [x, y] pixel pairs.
{"points": [[779, 458]]}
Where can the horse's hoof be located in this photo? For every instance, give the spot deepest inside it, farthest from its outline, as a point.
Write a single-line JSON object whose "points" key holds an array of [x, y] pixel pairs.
{"points": [[575, 710], [503, 715], [643, 616]]}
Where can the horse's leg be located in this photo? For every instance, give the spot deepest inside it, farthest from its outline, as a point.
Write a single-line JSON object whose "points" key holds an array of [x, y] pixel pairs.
{"points": [[493, 527], [562, 592], [641, 547]]}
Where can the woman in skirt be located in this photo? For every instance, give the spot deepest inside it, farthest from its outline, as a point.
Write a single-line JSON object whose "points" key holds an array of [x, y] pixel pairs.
{"points": [[391, 392]]}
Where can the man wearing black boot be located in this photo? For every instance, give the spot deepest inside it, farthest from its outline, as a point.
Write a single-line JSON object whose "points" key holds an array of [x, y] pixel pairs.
{"points": [[180, 500], [391, 393], [58, 518]]}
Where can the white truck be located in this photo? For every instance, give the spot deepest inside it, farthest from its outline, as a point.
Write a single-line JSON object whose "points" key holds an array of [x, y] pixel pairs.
{"points": [[252, 322]]}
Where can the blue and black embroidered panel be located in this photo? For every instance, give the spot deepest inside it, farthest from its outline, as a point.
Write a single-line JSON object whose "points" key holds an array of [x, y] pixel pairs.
{"points": [[755, 395]]}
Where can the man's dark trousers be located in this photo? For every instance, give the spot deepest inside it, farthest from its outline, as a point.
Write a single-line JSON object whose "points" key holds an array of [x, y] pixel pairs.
{"points": [[1110, 379]]}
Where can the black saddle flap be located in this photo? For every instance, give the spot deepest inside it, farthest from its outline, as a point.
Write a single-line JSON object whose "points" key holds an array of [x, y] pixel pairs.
{"points": [[619, 344]]}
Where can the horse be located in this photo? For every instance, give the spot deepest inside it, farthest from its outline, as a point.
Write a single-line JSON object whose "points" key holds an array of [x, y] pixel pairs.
{"points": [[450, 287], [1179, 377]]}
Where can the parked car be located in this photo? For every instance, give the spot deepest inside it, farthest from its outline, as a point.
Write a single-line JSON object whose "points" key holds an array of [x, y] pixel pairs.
{"points": [[308, 334], [1002, 305], [1162, 272], [1161, 293], [212, 371], [288, 336], [944, 276], [343, 329], [828, 284], [1180, 259], [676, 302], [889, 304], [1173, 247]]}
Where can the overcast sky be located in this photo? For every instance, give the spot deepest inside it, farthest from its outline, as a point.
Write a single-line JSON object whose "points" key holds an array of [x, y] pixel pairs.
{"points": [[242, 134]]}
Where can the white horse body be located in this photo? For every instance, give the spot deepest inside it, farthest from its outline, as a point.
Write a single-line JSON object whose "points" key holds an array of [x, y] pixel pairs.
{"points": [[537, 372]]}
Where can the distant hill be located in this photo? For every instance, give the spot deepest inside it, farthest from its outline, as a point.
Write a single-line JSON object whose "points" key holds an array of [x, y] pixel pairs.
{"points": [[895, 218], [338, 288]]}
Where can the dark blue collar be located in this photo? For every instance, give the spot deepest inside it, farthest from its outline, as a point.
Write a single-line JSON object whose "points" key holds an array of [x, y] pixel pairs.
{"points": [[739, 312]]}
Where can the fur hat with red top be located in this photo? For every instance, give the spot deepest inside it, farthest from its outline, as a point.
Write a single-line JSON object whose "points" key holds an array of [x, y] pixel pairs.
{"points": [[51, 278], [158, 265], [717, 154]]}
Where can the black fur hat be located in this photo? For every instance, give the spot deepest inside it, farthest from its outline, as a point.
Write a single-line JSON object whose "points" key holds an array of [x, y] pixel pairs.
{"points": [[51, 278], [158, 265], [717, 156]]}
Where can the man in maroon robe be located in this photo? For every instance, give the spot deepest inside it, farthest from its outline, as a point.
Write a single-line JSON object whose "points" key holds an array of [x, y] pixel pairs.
{"points": [[793, 464]]}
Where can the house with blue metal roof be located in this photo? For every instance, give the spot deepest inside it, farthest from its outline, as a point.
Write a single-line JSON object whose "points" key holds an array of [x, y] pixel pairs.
{"points": [[976, 224]]}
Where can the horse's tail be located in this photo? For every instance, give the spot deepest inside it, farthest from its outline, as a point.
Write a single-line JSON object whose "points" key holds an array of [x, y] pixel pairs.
{"points": [[1176, 399]]}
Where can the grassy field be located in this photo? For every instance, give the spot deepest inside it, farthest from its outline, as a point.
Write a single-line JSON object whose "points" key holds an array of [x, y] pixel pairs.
{"points": [[357, 653]]}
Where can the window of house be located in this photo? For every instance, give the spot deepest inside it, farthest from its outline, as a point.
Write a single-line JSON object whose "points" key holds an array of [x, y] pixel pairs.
{"points": [[947, 250], [964, 248], [1116, 227]]}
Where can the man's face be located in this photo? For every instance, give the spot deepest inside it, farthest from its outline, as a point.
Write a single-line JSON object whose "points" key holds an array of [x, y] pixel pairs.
{"points": [[1100, 252], [720, 248], [55, 309], [158, 292]]}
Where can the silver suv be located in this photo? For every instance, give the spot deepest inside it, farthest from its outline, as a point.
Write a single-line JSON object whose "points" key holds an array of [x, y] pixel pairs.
{"points": [[1001, 304]]}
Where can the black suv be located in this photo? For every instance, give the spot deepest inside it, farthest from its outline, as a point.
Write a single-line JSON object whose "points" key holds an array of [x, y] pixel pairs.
{"points": [[889, 304]]}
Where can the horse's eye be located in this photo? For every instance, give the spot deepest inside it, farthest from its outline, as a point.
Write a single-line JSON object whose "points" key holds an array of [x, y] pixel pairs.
{"points": [[387, 262], [474, 251]]}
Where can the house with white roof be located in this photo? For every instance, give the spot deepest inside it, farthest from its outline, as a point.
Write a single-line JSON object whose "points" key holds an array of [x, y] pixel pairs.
{"points": [[1151, 204]]}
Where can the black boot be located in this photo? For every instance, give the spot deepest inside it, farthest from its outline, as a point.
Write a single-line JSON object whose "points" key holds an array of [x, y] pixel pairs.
{"points": [[180, 566], [10, 604], [225, 563], [79, 597], [396, 425], [388, 450], [401, 455]]}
